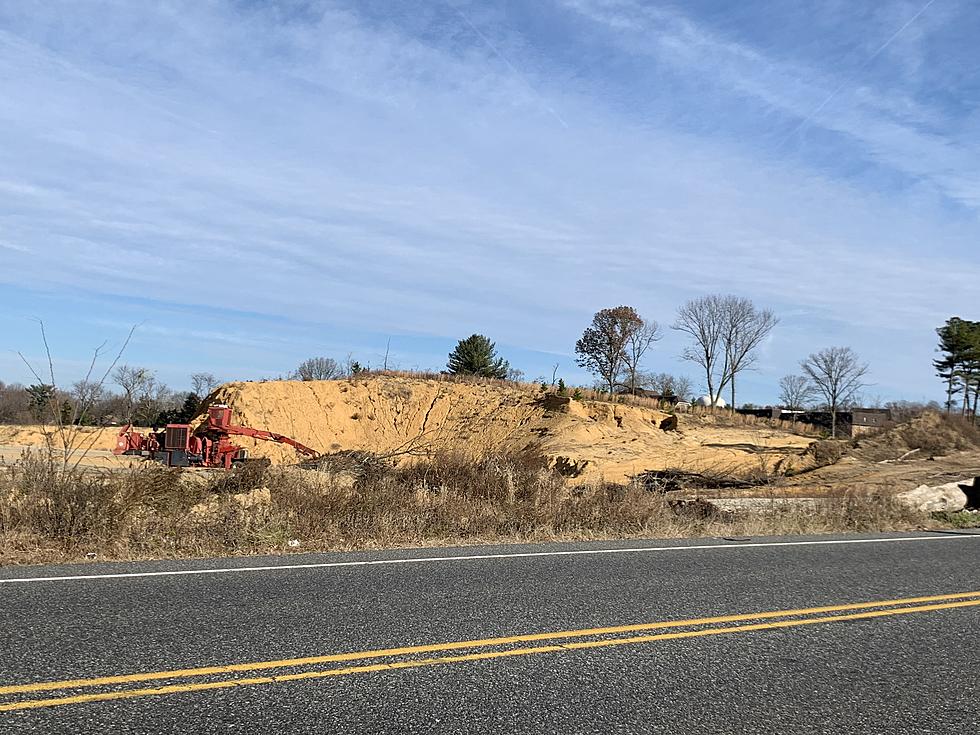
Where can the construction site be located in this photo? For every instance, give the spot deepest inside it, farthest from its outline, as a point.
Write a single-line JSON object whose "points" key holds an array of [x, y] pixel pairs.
{"points": [[394, 460], [402, 418]]}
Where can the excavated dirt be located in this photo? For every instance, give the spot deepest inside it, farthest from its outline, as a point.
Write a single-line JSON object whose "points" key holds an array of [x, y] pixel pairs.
{"points": [[930, 449], [852, 473], [37, 436], [90, 446], [585, 440]]}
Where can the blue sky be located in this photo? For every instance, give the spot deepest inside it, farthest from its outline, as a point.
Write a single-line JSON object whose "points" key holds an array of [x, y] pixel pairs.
{"points": [[258, 182]]}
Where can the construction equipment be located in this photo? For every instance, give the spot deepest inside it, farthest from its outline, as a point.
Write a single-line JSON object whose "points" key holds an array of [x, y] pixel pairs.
{"points": [[209, 445]]}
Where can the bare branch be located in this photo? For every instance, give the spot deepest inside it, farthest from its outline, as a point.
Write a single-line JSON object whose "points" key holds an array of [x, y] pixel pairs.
{"points": [[838, 375]]}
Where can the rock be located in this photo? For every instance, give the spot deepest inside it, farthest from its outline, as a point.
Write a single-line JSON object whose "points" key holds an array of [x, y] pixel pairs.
{"points": [[669, 424], [948, 497]]}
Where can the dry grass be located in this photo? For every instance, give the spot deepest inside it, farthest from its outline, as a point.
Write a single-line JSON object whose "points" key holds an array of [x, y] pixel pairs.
{"points": [[931, 434], [50, 513], [441, 377]]}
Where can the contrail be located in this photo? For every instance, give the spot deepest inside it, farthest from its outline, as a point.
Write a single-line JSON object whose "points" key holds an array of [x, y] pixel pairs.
{"points": [[867, 61], [513, 68]]}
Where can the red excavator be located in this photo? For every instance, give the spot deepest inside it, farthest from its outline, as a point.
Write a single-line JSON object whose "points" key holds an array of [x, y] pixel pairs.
{"points": [[178, 445]]}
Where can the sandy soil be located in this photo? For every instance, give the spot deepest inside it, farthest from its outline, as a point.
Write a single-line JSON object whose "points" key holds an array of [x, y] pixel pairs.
{"points": [[856, 473], [92, 446], [588, 440]]}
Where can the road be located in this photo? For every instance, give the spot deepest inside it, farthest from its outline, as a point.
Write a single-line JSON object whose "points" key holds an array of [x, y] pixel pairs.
{"points": [[848, 634]]}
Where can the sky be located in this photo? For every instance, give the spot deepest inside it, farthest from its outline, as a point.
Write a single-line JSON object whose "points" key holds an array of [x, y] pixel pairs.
{"points": [[253, 183]]}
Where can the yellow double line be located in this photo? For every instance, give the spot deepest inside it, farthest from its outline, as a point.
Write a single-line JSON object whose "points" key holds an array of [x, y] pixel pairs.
{"points": [[408, 657]]}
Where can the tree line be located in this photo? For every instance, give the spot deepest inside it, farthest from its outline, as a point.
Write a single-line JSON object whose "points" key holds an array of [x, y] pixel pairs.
{"points": [[139, 398], [725, 333]]}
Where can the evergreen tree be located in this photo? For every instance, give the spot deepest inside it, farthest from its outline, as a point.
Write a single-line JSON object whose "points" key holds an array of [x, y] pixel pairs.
{"points": [[182, 415], [42, 396], [189, 409], [477, 355], [970, 370], [959, 365]]}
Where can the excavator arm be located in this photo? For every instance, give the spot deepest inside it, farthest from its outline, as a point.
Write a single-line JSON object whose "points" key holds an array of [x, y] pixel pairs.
{"points": [[269, 436]]}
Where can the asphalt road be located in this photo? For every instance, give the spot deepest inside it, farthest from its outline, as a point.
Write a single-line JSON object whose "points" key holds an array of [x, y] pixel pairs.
{"points": [[708, 636]]}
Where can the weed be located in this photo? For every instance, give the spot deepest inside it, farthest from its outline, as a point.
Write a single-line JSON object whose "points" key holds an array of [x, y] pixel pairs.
{"points": [[962, 519]]}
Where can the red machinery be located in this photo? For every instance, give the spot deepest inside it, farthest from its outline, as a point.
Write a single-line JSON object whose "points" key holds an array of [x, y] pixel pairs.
{"points": [[178, 445]]}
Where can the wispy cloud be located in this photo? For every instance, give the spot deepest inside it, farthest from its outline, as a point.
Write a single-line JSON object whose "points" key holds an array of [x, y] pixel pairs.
{"points": [[889, 126]]}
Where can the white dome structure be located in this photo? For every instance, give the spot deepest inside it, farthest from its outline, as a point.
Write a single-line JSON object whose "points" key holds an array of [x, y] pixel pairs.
{"points": [[706, 401]]}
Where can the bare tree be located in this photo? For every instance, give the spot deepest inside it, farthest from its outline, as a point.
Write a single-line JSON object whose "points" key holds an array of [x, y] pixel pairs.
{"points": [[88, 391], [602, 346], [318, 368], [638, 341], [703, 320], [795, 392], [203, 383], [668, 385], [137, 384], [745, 329], [838, 375], [15, 404], [87, 396], [726, 331], [683, 388], [152, 407]]}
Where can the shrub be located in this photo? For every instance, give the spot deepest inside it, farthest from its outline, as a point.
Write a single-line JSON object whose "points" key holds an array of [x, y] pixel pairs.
{"points": [[827, 451]]}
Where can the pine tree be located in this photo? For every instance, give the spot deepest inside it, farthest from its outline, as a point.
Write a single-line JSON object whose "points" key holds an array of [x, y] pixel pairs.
{"points": [[42, 396], [959, 366], [189, 409], [477, 355], [970, 369]]}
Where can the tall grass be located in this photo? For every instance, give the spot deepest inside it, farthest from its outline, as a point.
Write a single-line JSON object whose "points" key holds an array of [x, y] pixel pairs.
{"points": [[47, 514]]}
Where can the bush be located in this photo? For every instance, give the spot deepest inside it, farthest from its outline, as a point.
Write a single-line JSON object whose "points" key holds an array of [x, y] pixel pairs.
{"points": [[827, 452]]}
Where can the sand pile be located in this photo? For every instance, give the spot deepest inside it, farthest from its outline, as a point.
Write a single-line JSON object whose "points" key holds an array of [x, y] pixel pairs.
{"points": [[90, 446], [588, 440], [89, 437]]}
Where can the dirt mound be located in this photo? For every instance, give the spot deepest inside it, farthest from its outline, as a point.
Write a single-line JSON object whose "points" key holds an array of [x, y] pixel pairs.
{"points": [[90, 446], [89, 437], [403, 417], [928, 435]]}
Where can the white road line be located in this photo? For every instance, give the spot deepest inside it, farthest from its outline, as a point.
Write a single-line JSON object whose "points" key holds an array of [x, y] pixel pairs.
{"points": [[475, 557]]}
